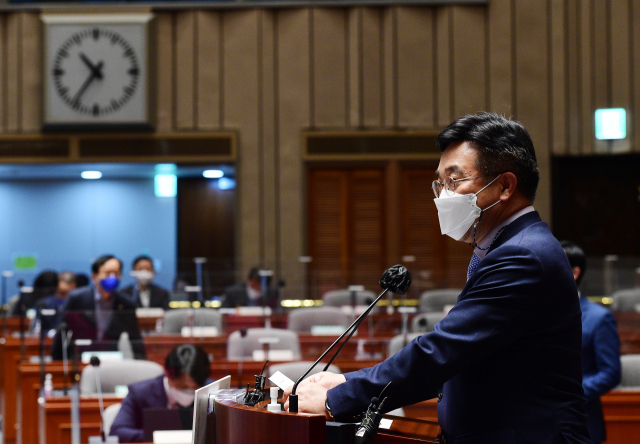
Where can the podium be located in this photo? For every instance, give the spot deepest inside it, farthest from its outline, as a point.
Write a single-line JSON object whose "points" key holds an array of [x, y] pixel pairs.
{"points": [[237, 423]]}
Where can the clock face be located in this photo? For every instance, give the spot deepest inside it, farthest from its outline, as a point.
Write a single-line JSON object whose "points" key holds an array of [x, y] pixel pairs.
{"points": [[96, 71]]}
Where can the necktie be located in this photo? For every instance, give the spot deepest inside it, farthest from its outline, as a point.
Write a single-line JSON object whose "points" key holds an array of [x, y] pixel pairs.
{"points": [[473, 264]]}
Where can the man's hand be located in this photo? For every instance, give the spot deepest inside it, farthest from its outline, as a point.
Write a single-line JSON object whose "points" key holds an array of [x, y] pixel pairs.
{"points": [[312, 392]]}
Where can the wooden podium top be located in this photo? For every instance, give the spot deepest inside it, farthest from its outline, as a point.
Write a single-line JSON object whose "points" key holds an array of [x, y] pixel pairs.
{"points": [[239, 423]]}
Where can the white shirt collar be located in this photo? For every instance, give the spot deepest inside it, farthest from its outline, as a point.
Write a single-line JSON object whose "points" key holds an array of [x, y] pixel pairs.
{"points": [[486, 241]]}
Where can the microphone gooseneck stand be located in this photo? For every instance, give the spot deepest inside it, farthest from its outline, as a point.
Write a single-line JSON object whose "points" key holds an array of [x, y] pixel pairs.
{"points": [[396, 279]]}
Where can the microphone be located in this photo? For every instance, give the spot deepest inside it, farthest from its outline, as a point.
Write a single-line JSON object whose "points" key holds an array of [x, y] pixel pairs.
{"points": [[368, 428], [396, 279], [243, 334], [42, 346], [95, 362], [65, 336]]}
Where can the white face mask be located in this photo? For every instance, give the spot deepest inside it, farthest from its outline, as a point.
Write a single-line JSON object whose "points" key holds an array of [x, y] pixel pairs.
{"points": [[457, 212], [183, 398], [143, 277]]}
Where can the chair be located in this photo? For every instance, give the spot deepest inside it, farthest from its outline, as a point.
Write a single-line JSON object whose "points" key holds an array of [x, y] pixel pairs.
{"points": [[424, 322], [113, 373], [397, 343], [436, 300], [293, 370], [337, 298], [239, 347], [302, 319], [175, 319], [109, 416], [625, 300], [630, 372]]}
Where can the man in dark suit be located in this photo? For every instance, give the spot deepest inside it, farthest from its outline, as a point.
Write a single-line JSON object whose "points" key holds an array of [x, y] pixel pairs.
{"points": [[251, 292], [99, 313], [144, 293], [53, 303], [186, 370], [506, 361], [600, 348]]}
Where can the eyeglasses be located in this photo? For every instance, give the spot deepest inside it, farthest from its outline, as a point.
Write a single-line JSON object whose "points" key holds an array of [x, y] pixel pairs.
{"points": [[450, 184]]}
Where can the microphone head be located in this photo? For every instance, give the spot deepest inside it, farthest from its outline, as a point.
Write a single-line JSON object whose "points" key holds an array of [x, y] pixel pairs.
{"points": [[95, 361], [396, 279], [375, 401], [243, 332]]}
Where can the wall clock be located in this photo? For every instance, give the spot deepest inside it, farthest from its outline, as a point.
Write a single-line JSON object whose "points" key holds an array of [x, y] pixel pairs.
{"points": [[97, 72]]}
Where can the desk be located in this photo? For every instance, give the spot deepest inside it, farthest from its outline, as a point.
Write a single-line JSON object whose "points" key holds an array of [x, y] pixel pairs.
{"points": [[54, 418]]}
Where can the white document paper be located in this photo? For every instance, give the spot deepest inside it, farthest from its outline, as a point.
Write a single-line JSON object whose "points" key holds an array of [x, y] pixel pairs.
{"points": [[385, 423], [281, 380]]}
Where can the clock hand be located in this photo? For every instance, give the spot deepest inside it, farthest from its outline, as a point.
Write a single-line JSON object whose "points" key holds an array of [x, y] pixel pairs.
{"points": [[95, 69], [87, 82]]}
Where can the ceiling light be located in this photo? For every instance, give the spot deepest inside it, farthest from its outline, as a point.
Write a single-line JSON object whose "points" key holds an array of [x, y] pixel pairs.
{"points": [[91, 174], [213, 174]]}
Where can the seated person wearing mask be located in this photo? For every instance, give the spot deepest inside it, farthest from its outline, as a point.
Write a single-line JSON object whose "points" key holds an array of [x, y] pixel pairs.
{"points": [[66, 283], [186, 370], [250, 292], [144, 293], [99, 313]]}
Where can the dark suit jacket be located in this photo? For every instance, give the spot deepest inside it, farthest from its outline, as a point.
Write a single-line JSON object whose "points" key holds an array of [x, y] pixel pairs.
{"points": [[142, 395], [51, 322], [159, 297], [237, 295], [600, 362], [79, 312], [507, 358]]}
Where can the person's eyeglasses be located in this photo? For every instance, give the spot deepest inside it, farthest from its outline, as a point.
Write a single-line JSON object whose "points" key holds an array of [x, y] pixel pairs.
{"points": [[449, 185]]}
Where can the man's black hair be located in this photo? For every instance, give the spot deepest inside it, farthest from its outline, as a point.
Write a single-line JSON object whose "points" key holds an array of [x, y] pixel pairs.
{"points": [[95, 267], [142, 257], [503, 146], [576, 257], [254, 273], [46, 283], [188, 359]]}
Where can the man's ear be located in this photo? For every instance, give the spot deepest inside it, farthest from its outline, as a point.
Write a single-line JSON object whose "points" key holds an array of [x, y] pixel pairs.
{"points": [[508, 182], [577, 271]]}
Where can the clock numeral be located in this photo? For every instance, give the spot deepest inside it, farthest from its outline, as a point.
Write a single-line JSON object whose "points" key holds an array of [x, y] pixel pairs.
{"points": [[58, 72], [96, 109], [96, 33], [134, 71]]}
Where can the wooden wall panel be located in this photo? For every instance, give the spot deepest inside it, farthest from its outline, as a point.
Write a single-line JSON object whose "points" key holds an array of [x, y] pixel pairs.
{"points": [[208, 80], [165, 69], [469, 60], [3, 73], [14, 72], [415, 67], [185, 48], [559, 93], [32, 72], [500, 60], [586, 68], [354, 64], [241, 111], [329, 68], [444, 66], [574, 77], [532, 96], [372, 68], [600, 40], [620, 59], [293, 114], [267, 139], [390, 71]]}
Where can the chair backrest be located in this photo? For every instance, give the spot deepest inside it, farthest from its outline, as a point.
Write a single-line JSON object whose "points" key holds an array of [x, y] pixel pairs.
{"points": [[337, 298], [424, 322], [625, 300], [109, 416], [113, 373], [436, 300], [630, 371], [177, 318], [239, 347], [293, 370], [302, 319], [397, 343]]}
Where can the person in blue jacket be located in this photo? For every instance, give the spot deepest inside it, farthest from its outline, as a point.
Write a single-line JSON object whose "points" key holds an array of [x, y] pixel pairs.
{"points": [[600, 348], [506, 362], [186, 370]]}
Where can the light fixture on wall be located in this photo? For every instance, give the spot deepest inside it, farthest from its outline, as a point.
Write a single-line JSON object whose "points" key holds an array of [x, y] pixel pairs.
{"points": [[91, 174], [611, 123], [224, 183], [165, 185], [213, 174]]}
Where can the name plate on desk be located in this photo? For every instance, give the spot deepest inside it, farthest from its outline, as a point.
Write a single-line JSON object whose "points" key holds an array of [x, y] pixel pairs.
{"points": [[253, 311], [149, 312], [172, 437], [328, 330], [274, 355], [198, 332]]}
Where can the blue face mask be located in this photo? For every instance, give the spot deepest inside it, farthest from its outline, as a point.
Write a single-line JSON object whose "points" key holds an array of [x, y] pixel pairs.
{"points": [[109, 284]]}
